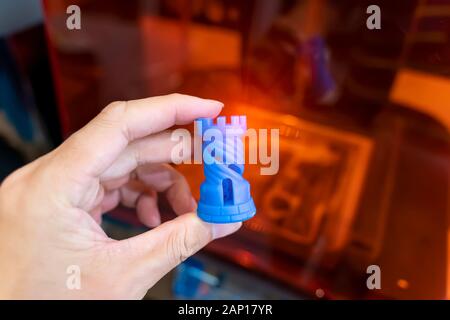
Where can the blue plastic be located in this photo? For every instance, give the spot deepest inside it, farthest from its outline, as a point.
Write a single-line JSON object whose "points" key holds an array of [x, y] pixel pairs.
{"points": [[225, 194], [322, 81]]}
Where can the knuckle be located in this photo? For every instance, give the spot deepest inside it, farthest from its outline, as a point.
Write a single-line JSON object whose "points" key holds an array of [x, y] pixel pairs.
{"points": [[11, 189], [180, 247], [113, 115], [72, 144], [11, 182], [187, 240], [177, 96], [114, 109], [8, 181]]}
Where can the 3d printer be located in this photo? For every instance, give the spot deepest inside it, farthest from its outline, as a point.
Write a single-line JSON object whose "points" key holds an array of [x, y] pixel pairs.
{"points": [[363, 116]]}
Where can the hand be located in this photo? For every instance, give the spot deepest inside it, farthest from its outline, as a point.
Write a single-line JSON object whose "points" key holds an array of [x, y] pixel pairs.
{"points": [[50, 209]]}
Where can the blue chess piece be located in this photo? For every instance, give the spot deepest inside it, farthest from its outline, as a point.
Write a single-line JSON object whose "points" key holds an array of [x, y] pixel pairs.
{"points": [[225, 194]]}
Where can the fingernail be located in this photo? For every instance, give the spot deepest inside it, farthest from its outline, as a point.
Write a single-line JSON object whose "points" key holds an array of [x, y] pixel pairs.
{"points": [[222, 230], [215, 101], [156, 220], [193, 204]]}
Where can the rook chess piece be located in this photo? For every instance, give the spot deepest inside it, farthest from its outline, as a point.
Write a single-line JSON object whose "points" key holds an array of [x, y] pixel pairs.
{"points": [[225, 194]]}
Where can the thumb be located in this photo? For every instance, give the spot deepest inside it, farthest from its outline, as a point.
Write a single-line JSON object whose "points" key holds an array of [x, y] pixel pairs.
{"points": [[158, 251]]}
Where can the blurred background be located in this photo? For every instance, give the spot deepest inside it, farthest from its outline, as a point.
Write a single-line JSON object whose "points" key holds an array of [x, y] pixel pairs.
{"points": [[364, 119]]}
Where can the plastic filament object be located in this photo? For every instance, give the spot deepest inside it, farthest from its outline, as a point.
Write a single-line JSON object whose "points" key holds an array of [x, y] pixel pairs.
{"points": [[225, 194]]}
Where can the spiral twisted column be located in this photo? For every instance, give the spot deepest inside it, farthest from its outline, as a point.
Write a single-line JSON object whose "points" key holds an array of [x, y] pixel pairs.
{"points": [[225, 194]]}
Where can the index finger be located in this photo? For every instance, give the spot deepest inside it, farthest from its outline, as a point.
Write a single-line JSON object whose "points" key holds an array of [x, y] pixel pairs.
{"points": [[94, 148]]}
